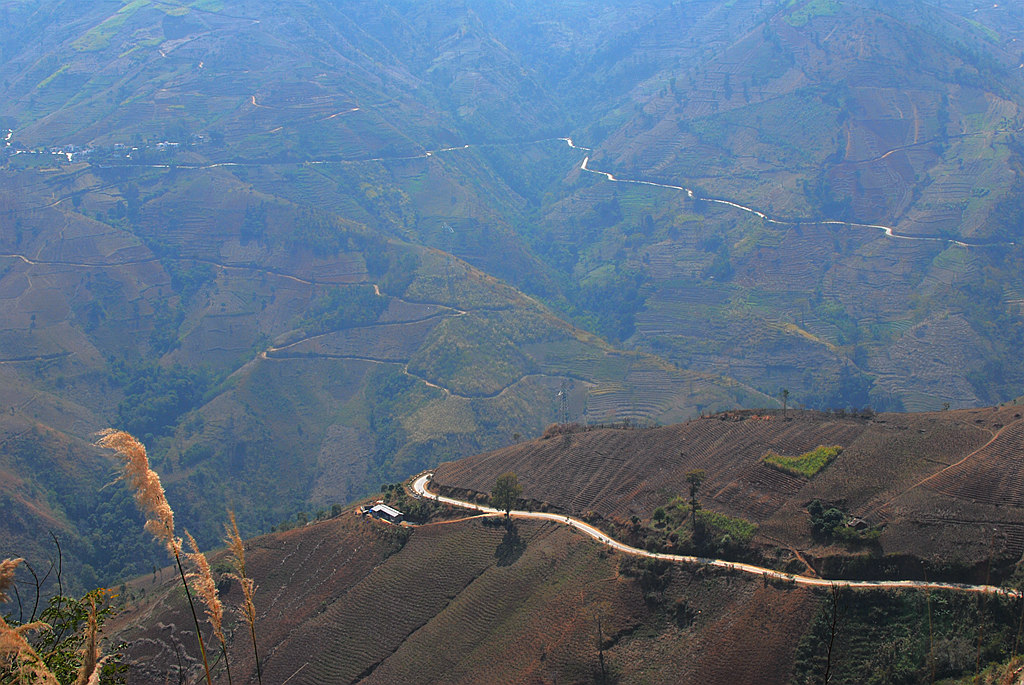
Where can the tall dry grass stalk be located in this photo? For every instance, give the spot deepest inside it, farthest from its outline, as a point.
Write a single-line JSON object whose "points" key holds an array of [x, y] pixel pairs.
{"points": [[206, 588], [7, 568], [19, 658], [90, 650], [149, 493], [150, 496], [94, 679], [16, 655], [234, 542]]}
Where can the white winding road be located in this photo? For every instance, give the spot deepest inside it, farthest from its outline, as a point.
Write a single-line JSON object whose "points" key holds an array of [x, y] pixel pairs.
{"points": [[419, 486], [887, 230]]}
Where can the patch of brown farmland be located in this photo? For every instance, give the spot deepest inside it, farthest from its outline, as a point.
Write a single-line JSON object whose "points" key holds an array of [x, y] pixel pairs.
{"points": [[532, 621], [993, 475], [298, 574], [739, 631], [339, 603], [619, 473]]}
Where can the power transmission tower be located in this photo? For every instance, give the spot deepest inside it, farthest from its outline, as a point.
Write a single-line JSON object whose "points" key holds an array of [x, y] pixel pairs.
{"points": [[563, 401]]}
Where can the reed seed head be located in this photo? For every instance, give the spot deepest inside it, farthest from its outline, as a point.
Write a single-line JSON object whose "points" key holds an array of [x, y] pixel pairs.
{"points": [[206, 588], [19, 658], [234, 542], [149, 493], [7, 568], [90, 650]]}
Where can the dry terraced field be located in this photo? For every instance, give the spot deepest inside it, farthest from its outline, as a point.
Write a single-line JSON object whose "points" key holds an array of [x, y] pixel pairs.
{"points": [[908, 472]]}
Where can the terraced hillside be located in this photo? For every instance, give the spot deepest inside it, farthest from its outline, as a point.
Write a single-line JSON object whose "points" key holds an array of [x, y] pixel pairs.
{"points": [[282, 339], [345, 241], [800, 142], [941, 484], [354, 600]]}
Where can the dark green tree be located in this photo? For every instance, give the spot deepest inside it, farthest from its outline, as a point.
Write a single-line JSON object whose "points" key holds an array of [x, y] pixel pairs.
{"points": [[506, 492], [694, 478]]}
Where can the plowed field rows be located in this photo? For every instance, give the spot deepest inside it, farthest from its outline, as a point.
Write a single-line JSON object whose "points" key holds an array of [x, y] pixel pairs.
{"points": [[401, 311], [994, 475], [297, 572], [672, 260], [391, 342], [532, 616], [620, 473], [747, 644], [358, 630]]}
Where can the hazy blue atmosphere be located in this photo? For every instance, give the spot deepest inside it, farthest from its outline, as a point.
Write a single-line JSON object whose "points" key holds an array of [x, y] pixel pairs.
{"points": [[306, 249]]}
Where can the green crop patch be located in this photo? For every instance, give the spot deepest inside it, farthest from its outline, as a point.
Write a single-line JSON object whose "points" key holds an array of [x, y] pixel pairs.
{"points": [[816, 8], [807, 465], [98, 38], [725, 529]]}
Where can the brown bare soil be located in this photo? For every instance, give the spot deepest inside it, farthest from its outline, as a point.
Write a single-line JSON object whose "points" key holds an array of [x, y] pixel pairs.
{"points": [[355, 600], [742, 632], [933, 480], [344, 601]]}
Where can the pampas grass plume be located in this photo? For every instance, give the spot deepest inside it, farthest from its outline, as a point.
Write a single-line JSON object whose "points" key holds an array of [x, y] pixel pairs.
{"points": [[205, 587], [150, 496], [15, 651], [149, 493], [17, 654], [90, 651], [234, 542], [7, 568]]}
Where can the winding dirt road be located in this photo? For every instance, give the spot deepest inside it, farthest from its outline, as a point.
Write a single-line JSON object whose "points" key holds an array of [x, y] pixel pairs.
{"points": [[889, 231], [420, 487]]}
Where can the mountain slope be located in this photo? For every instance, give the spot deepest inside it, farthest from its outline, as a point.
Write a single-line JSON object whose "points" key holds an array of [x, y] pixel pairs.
{"points": [[928, 480], [359, 600], [346, 241], [240, 335]]}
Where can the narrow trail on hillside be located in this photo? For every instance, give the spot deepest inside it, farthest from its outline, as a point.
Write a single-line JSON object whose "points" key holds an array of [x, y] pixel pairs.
{"points": [[281, 353], [224, 266], [924, 480], [888, 231], [275, 353], [31, 261], [78, 265], [420, 487]]}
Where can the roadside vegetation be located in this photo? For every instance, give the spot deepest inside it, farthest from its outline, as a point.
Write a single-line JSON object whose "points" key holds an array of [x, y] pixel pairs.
{"points": [[832, 524], [680, 528], [340, 308], [907, 637]]}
